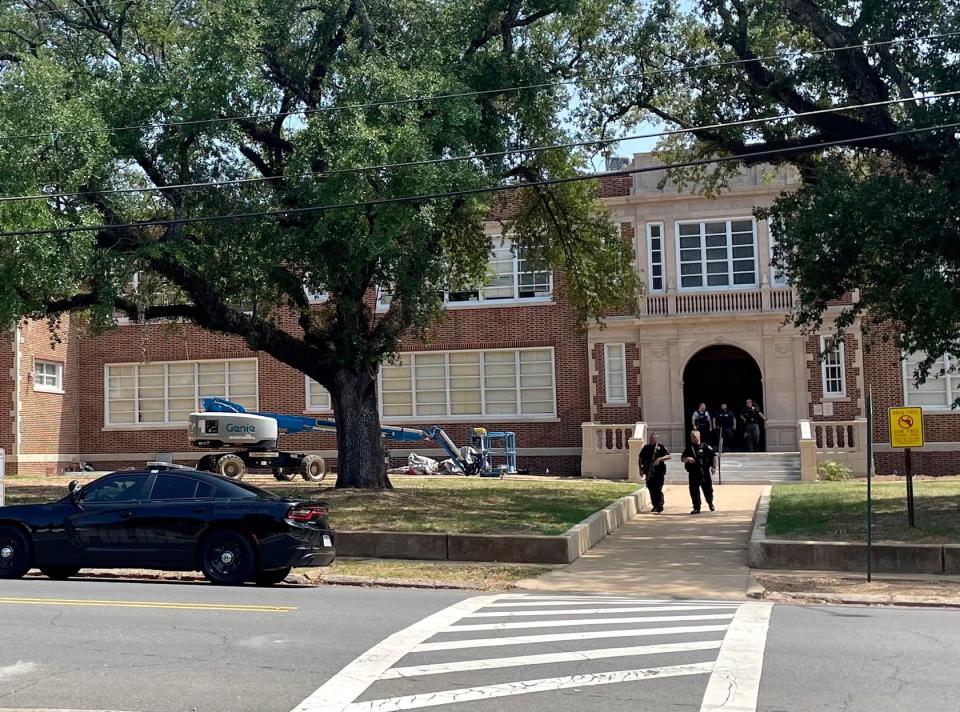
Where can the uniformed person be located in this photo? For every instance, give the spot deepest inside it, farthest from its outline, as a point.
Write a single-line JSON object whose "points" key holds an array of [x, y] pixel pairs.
{"points": [[702, 422], [700, 461], [653, 458], [725, 424], [752, 417]]}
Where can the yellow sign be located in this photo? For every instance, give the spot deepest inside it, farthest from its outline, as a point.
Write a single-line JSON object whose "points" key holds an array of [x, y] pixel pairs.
{"points": [[906, 427]]}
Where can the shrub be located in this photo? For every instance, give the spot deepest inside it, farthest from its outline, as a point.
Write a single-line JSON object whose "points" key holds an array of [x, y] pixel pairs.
{"points": [[830, 471]]}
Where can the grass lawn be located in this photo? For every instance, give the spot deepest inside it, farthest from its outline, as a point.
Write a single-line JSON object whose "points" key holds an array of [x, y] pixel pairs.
{"points": [[473, 506], [836, 511]]}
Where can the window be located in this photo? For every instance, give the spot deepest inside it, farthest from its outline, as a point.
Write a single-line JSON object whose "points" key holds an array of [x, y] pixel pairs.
{"points": [[831, 367], [655, 257], [778, 278], [318, 397], [468, 384], [942, 387], [512, 277], [717, 255], [121, 488], [48, 376], [166, 393], [615, 370], [173, 487]]}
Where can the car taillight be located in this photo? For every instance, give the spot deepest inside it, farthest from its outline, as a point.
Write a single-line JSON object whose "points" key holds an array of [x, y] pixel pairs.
{"points": [[308, 513]]}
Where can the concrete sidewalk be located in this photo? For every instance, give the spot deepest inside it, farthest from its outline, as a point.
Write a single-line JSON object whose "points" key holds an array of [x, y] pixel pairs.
{"points": [[673, 554]]}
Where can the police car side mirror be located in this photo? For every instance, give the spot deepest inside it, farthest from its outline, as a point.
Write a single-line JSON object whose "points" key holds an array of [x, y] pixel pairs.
{"points": [[74, 489]]}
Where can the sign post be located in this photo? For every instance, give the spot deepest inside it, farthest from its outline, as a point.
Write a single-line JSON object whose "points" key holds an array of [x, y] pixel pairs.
{"points": [[3, 473], [870, 485], [906, 431]]}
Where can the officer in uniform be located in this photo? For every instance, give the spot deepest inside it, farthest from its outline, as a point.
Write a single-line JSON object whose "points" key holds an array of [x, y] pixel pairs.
{"points": [[700, 461], [752, 418], [653, 457], [725, 423], [702, 422]]}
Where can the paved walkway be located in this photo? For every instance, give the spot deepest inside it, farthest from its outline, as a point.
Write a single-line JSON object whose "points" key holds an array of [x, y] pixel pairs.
{"points": [[672, 554]]}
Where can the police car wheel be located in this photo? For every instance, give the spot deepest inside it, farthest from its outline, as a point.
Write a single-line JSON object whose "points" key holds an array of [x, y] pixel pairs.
{"points": [[227, 558], [15, 553], [59, 573]]}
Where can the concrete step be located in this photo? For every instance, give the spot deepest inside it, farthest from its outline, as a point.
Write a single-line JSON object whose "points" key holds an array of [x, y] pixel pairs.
{"points": [[748, 467]]}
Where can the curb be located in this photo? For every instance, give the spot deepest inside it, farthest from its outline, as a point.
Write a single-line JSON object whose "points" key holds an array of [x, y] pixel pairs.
{"points": [[862, 600]]}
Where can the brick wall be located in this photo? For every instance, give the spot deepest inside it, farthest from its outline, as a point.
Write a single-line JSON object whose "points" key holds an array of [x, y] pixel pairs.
{"points": [[847, 407], [6, 395], [49, 423]]}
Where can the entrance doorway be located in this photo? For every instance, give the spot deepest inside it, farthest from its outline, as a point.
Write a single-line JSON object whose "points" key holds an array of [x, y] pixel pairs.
{"points": [[721, 374]]}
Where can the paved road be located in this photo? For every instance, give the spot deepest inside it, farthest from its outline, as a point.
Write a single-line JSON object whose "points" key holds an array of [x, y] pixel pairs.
{"points": [[97, 645]]}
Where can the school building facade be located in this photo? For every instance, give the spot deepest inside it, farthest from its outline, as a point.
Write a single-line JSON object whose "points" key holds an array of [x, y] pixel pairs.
{"points": [[710, 325]]}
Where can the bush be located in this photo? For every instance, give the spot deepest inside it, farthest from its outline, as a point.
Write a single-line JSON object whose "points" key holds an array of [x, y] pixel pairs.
{"points": [[830, 471]]}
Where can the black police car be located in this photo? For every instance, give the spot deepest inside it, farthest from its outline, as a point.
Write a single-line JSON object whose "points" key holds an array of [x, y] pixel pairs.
{"points": [[167, 517]]}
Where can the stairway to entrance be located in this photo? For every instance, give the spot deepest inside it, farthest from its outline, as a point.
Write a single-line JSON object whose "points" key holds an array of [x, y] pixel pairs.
{"points": [[747, 467]]}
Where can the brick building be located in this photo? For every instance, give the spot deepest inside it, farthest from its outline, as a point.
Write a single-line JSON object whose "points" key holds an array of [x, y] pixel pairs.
{"points": [[709, 326]]}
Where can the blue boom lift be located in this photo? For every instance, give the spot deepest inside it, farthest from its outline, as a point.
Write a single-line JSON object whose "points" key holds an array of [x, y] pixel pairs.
{"points": [[225, 424]]}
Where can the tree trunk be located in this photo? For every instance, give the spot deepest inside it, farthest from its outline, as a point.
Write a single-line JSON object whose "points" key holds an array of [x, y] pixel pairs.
{"points": [[360, 449]]}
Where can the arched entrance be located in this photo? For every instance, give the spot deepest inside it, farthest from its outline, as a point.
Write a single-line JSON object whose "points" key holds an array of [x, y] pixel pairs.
{"points": [[720, 374]]}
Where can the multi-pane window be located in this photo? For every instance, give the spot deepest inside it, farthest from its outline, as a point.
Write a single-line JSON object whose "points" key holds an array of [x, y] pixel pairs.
{"points": [[469, 383], [942, 387], [655, 257], [717, 255], [615, 370], [318, 397], [166, 393], [48, 376], [831, 367], [778, 277]]}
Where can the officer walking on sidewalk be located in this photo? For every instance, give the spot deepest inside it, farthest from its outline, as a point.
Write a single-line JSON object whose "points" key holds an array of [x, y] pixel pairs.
{"points": [[653, 457], [700, 461]]}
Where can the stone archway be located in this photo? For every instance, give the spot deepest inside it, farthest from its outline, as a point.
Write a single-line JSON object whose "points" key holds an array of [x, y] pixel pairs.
{"points": [[720, 374]]}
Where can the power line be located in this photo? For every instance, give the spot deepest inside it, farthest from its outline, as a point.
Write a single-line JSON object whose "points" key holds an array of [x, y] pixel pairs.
{"points": [[64, 10], [477, 191], [466, 94], [474, 156]]}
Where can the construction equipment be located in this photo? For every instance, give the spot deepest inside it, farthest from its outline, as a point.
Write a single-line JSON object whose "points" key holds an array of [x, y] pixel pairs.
{"points": [[225, 424]]}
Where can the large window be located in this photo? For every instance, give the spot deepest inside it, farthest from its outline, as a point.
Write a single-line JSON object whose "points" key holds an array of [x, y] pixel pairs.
{"points": [[942, 387], [655, 257], [166, 393], [512, 277], [831, 367], [717, 255], [48, 376], [615, 371], [318, 397], [456, 384]]}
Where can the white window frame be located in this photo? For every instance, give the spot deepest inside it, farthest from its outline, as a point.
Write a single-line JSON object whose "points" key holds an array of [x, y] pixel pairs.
{"points": [[482, 302], [483, 416], [166, 424], [731, 287], [663, 259], [825, 343], [608, 383], [951, 383], [39, 380], [308, 407]]}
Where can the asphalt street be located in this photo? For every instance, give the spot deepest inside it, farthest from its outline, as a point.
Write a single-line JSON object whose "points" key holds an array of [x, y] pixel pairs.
{"points": [[166, 647]]}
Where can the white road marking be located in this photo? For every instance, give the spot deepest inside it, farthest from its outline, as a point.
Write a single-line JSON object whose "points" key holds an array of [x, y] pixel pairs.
{"points": [[508, 689], [594, 611], [526, 603], [568, 622], [735, 683], [547, 658], [339, 691], [557, 637], [8, 672]]}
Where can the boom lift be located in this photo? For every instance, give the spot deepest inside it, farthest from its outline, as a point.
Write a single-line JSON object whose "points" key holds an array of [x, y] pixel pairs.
{"points": [[225, 424]]}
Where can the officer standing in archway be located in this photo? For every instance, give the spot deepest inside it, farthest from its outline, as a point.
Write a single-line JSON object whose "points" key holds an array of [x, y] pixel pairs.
{"points": [[752, 417], [702, 422]]}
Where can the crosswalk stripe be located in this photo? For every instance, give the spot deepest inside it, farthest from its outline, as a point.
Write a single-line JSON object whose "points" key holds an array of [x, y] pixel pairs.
{"points": [[508, 689], [591, 602], [586, 621], [734, 685], [547, 658], [557, 637], [593, 611]]}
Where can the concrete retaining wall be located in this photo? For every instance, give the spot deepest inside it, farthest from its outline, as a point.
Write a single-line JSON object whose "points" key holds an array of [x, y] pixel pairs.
{"points": [[844, 555], [504, 548]]}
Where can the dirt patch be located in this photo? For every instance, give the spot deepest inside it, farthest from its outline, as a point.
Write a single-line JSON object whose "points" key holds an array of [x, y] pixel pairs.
{"points": [[802, 588]]}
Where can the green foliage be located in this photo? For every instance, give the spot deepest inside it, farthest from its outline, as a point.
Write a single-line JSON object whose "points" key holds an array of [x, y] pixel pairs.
{"points": [[830, 471]]}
